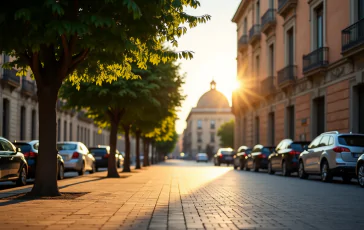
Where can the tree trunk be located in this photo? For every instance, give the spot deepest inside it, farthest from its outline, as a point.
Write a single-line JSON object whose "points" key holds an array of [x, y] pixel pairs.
{"points": [[111, 167], [145, 152], [127, 149], [137, 158], [148, 143], [152, 160], [46, 170]]}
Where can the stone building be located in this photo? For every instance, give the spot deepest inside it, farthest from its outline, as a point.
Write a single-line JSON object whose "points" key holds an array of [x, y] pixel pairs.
{"points": [[19, 114], [300, 64], [204, 120]]}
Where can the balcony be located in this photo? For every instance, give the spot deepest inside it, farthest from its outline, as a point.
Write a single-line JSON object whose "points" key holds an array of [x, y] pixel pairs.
{"points": [[269, 21], [353, 38], [254, 33], [267, 86], [284, 6], [9, 78], [243, 43], [287, 76], [28, 88], [316, 61]]}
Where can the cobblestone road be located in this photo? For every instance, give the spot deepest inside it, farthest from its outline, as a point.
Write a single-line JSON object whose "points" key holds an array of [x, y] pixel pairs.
{"points": [[187, 195]]}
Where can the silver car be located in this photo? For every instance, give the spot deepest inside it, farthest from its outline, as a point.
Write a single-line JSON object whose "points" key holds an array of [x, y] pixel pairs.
{"points": [[76, 157], [332, 154]]}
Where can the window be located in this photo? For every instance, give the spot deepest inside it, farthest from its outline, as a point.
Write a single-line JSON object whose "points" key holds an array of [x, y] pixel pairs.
{"points": [[6, 146], [290, 47], [315, 143], [244, 130], [199, 148], [199, 137], [64, 130], [34, 124], [271, 128], [257, 67], [22, 123], [212, 137], [257, 130], [59, 129], [319, 26], [331, 141], [360, 114], [78, 133], [271, 60], [71, 137], [6, 110], [290, 122], [271, 4], [257, 12], [360, 9], [199, 124], [212, 124], [352, 140], [324, 141], [319, 116], [245, 28]]}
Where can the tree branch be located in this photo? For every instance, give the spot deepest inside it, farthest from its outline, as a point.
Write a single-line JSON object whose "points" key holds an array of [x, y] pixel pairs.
{"points": [[77, 60]]}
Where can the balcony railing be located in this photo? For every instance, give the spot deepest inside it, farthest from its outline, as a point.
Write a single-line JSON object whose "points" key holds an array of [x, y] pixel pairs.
{"points": [[254, 32], [353, 36], [10, 77], [285, 5], [243, 42], [268, 19], [316, 59], [267, 86], [287, 75], [28, 87]]}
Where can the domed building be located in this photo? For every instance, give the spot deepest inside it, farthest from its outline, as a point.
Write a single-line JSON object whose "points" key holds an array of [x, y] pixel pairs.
{"points": [[203, 122]]}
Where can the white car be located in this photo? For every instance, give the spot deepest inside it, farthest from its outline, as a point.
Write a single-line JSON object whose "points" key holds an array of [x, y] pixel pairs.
{"points": [[76, 157], [202, 157]]}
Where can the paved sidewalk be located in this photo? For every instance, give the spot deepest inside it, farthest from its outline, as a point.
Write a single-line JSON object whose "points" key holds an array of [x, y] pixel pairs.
{"points": [[186, 195]]}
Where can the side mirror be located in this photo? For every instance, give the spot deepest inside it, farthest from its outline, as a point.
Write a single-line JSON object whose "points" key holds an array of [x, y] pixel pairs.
{"points": [[18, 150], [305, 147]]}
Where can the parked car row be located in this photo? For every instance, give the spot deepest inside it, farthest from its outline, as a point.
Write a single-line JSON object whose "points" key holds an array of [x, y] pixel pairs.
{"points": [[18, 160], [328, 155]]}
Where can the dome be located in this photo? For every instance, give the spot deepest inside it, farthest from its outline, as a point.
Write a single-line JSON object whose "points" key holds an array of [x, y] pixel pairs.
{"points": [[213, 99]]}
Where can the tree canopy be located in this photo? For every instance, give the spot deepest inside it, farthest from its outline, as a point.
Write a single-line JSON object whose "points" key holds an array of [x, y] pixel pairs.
{"points": [[226, 134]]}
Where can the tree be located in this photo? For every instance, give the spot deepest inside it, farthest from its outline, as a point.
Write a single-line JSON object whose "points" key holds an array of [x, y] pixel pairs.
{"points": [[84, 40], [209, 151], [136, 105], [226, 134]]}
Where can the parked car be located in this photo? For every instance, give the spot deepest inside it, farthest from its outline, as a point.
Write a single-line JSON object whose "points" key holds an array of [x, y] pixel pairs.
{"points": [[13, 166], [285, 157], [101, 154], [202, 157], [241, 156], [258, 158], [332, 154], [30, 151], [360, 170], [76, 157], [224, 156]]}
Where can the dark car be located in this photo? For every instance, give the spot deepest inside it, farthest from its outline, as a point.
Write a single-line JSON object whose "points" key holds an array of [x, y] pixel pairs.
{"points": [[224, 156], [258, 158], [13, 166], [241, 156], [285, 157], [30, 151], [101, 155]]}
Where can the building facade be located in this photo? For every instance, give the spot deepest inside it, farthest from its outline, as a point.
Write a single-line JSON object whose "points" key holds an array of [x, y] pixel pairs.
{"points": [[300, 64], [19, 114], [204, 120]]}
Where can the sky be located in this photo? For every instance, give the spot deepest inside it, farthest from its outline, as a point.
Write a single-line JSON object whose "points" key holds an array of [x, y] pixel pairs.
{"points": [[215, 49]]}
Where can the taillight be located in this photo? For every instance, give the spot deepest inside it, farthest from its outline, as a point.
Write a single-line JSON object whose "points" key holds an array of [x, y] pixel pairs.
{"points": [[339, 149], [106, 155], [294, 152], [262, 156], [30, 154], [220, 155], [75, 155]]}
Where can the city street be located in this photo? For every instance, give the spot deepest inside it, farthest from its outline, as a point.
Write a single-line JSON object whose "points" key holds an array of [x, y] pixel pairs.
{"points": [[181, 194]]}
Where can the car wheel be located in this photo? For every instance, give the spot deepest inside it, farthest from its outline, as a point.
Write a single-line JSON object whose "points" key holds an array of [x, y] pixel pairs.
{"points": [[361, 175], [255, 167], [60, 172], [270, 170], [326, 175], [22, 180], [285, 171], [347, 178], [93, 168], [301, 171], [82, 171], [241, 165], [118, 164], [235, 167]]}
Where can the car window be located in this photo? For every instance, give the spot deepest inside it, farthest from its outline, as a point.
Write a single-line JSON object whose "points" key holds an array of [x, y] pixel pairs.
{"points": [[6, 146], [324, 141], [315, 143], [351, 140], [257, 149], [267, 150], [248, 151], [66, 147], [279, 146], [331, 141], [82, 148], [299, 147], [24, 147], [36, 146]]}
